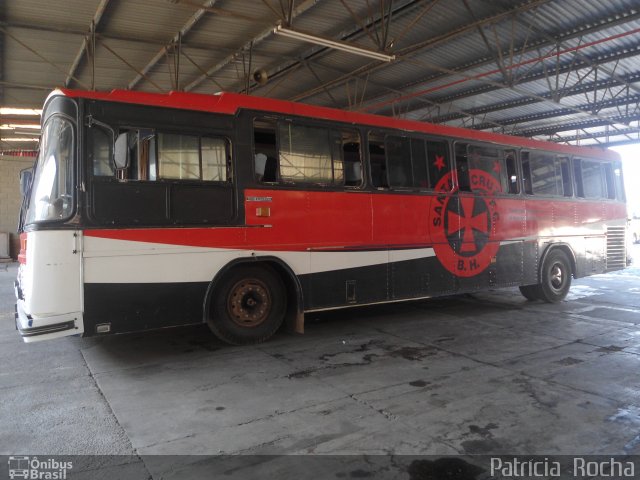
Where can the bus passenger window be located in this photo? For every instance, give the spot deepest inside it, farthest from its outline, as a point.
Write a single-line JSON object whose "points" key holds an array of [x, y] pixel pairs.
{"points": [[352, 173], [131, 170], [337, 154], [419, 163], [577, 177], [609, 179], [305, 154], [398, 162], [352, 167], [215, 158], [462, 167], [617, 171], [153, 157], [186, 157], [147, 164], [592, 180], [565, 171], [398, 156], [179, 157], [546, 175], [142, 161], [490, 160], [512, 172], [347, 163], [526, 173], [100, 155], [377, 161], [437, 161], [265, 150]]}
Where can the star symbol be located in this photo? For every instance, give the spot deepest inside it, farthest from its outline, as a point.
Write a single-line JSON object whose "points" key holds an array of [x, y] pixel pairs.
{"points": [[496, 167], [439, 163]]}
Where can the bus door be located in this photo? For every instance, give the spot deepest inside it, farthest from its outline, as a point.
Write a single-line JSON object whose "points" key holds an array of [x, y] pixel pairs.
{"points": [[49, 284]]}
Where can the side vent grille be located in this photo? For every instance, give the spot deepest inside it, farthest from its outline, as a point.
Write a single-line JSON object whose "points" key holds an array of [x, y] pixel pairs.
{"points": [[616, 248]]}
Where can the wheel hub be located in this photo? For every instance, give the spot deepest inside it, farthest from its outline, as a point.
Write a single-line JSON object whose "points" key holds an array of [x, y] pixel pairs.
{"points": [[249, 303], [557, 276]]}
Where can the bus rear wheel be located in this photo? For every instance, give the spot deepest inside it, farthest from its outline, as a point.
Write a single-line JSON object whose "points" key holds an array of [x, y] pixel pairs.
{"points": [[555, 277], [249, 306]]}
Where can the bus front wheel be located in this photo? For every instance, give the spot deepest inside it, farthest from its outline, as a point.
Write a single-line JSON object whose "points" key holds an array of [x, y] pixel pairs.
{"points": [[249, 306]]}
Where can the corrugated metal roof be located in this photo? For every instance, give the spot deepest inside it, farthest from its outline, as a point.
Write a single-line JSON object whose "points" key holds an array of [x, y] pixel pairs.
{"points": [[522, 66]]}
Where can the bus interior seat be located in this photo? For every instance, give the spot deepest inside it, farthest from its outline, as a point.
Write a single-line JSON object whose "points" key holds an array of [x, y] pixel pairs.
{"points": [[378, 171], [270, 170], [352, 172], [260, 161], [397, 178], [463, 176], [528, 186]]}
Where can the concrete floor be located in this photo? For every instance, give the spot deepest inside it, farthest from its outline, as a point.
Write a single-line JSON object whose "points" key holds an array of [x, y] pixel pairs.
{"points": [[487, 373]]}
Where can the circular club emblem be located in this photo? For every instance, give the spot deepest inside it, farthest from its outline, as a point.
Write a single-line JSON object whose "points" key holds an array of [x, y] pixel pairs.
{"points": [[463, 225]]}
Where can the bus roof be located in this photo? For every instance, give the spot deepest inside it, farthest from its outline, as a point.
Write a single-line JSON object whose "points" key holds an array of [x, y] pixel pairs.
{"points": [[231, 103]]}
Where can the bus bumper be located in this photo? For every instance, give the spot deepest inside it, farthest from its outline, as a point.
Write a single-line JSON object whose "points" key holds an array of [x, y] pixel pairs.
{"points": [[45, 328]]}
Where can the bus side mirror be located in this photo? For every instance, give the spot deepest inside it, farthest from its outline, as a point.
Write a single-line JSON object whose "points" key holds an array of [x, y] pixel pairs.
{"points": [[121, 150], [25, 180]]}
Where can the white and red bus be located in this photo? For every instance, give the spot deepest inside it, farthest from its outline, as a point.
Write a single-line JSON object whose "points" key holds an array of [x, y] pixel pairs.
{"points": [[157, 210]]}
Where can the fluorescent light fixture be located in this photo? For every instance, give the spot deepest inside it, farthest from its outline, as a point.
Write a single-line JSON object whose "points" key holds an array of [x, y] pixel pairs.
{"points": [[19, 126], [26, 133], [326, 42], [19, 111], [20, 139]]}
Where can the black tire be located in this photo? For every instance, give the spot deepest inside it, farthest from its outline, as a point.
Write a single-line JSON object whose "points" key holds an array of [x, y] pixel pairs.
{"points": [[530, 292], [248, 305], [555, 277]]}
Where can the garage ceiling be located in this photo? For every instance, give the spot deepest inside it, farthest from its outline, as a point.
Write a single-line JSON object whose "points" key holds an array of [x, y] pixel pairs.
{"points": [[559, 70]]}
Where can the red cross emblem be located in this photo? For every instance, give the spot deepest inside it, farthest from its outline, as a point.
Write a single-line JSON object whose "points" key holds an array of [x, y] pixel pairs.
{"points": [[468, 223], [462, 224]]}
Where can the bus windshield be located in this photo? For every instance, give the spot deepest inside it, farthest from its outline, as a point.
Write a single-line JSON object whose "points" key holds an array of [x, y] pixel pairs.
{"points": [[51, 190]]}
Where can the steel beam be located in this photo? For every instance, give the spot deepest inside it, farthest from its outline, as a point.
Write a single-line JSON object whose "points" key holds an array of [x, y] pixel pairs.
{"points": [[129, 39], [598, 86], [566, 127], [621, 142], [595, 135], [596, 106], [95, 22]]}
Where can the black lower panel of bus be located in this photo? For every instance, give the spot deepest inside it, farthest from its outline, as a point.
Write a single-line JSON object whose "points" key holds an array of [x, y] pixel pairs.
{"points": [[130, 307], [421, 277]]}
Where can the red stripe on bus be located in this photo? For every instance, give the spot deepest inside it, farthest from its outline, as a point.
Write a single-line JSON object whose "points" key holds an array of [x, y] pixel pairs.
{"points": [[301, 221]]}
